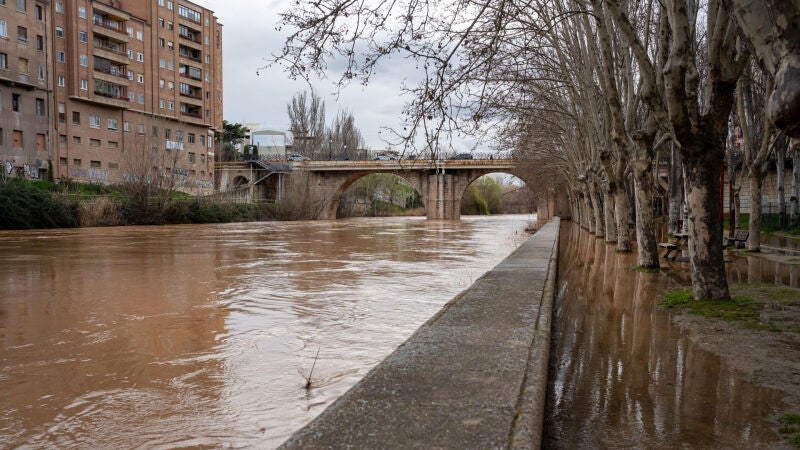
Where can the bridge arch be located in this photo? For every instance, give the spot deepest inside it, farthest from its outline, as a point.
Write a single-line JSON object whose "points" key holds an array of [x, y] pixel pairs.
{"points": [[530, 201], [239, 180], [342, 183]]}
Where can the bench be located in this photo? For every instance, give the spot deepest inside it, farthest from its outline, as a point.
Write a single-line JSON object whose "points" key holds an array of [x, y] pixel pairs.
{"points": [[738, 239], [680, 241]]}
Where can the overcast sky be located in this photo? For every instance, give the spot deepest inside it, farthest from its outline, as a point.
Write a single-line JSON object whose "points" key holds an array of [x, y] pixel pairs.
{"points": [[249, 37]]}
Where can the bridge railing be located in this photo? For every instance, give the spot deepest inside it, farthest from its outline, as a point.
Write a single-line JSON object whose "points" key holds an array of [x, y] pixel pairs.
{"points": [[390, 155]]}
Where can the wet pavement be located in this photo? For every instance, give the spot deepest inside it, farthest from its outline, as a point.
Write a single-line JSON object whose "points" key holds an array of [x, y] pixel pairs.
{"points": [[623, 375]]}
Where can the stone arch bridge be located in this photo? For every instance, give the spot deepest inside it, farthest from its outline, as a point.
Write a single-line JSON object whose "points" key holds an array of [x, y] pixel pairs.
{"points": [[440, 183]]}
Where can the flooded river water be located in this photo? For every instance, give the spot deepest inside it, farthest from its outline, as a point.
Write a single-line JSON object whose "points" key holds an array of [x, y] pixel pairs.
{"points": [[201, 335], [624, 376]]}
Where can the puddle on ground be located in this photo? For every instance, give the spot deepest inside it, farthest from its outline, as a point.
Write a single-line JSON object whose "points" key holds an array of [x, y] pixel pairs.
{"points": [[622, 375]]}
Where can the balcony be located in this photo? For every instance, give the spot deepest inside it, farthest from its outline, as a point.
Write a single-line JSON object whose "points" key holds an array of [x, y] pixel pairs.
{"points": [[190, 92], [110, 50], [111, 76], [188, 34], [110, 93], [189, 53], [104, 26], [191, 111]]}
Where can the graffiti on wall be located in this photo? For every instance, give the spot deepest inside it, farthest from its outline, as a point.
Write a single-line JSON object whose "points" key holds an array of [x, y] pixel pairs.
{"points": [[92, 174], [23, 171]]}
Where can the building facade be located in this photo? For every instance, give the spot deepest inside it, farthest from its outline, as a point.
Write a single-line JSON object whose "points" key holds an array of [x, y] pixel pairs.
{"points": [[132, 88]]}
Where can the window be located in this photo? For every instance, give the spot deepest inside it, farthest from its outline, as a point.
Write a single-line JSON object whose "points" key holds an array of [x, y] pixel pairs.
{"points": [[62, 113], [95, 164], [206, 21], [141, 99], [130, 54], [169, 5], [160, 2], [131, 96], [113, 165], [113, 124], [94, 121], [170, 27], [39, 106], [161, 83], [161, 42], [190, 138], [60, 56], [155, 131], [206, 40], [126, 127], [140, 56], [62, 139], [191, 158], [171, 85], [84, 85], [3, 61], [76, 118], [84, 60], [139, 35], [82, 12], [76, 140], [60, 7], [38, 11], [2, 138], [83, 36], [189, 13], [40, 140], [162, 103], [3, 28], [59, 32], [130, 75], [161, 22], [39, 42], [210, 142], [179, 135], [140, 78], [16, 101], [23, 65], [202, 158], [76, 161], [130, 32], [22, 34], [62, 161], [208, 59], [62, 81], [17, 138], [22, 5], [167, 133], [113, 144], [139, 129], [94, 142], [171, 106], [162, 63], [170, 65]]}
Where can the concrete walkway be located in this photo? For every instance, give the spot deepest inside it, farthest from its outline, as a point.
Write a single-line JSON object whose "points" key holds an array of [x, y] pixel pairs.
{"points": [[473, 376]]}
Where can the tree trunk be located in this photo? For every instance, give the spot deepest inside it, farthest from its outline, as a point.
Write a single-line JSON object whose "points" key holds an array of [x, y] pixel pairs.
{"points": [[795, 199], [609, 223], [754, 239], [621, 213], [599, 224], [705, 227], [780, 164], [675, 192], [645, 232], [737, 208]]}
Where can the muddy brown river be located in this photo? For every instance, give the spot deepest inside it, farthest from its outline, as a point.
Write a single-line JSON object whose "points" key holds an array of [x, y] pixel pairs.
{"points": [[201, 335]]}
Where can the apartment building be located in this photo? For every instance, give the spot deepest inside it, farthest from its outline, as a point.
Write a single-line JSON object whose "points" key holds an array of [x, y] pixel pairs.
{"points": [[135, 90], [24, 89]]}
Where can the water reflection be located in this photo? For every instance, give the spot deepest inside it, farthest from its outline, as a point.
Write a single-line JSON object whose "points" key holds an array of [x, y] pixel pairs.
{"points": [[198, 335], [624, 376]]}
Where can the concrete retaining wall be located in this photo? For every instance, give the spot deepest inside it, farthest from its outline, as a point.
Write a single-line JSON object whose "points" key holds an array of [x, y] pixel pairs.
{"points": [[473, 376]]}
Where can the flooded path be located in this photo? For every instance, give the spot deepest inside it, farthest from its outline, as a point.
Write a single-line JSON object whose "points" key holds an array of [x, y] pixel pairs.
{"points": [[199, 336], [624, 376]]}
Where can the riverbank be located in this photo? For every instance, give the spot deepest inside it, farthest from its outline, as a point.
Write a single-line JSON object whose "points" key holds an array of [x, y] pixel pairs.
{"points": [[759, 335]]}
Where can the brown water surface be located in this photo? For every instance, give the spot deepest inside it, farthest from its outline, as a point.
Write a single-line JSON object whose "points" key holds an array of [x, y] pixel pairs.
{"points": [[200, 335], [622, 375]]}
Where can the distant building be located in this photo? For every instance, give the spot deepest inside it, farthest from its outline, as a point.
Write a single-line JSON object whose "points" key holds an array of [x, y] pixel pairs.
{"points": [[88, 80]]}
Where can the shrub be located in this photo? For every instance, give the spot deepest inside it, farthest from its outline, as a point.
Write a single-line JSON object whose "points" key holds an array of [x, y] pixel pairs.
{"points": [[24, 206]]}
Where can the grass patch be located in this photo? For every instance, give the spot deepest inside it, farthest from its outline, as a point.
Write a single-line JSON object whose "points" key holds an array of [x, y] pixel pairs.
{"points": [[790, 419], [757, 306]]}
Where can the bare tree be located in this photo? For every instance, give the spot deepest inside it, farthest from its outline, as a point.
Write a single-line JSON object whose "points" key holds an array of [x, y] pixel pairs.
{"points": [[307, 124]]}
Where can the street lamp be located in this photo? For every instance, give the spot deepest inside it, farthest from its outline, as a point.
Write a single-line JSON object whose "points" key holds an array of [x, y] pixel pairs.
{"points": [[330, 151]]}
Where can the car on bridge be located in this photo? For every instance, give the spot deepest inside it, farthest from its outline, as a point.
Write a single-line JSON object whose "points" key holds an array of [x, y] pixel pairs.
{"points": [[462, 156], [385, 157], [297, 157]]}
